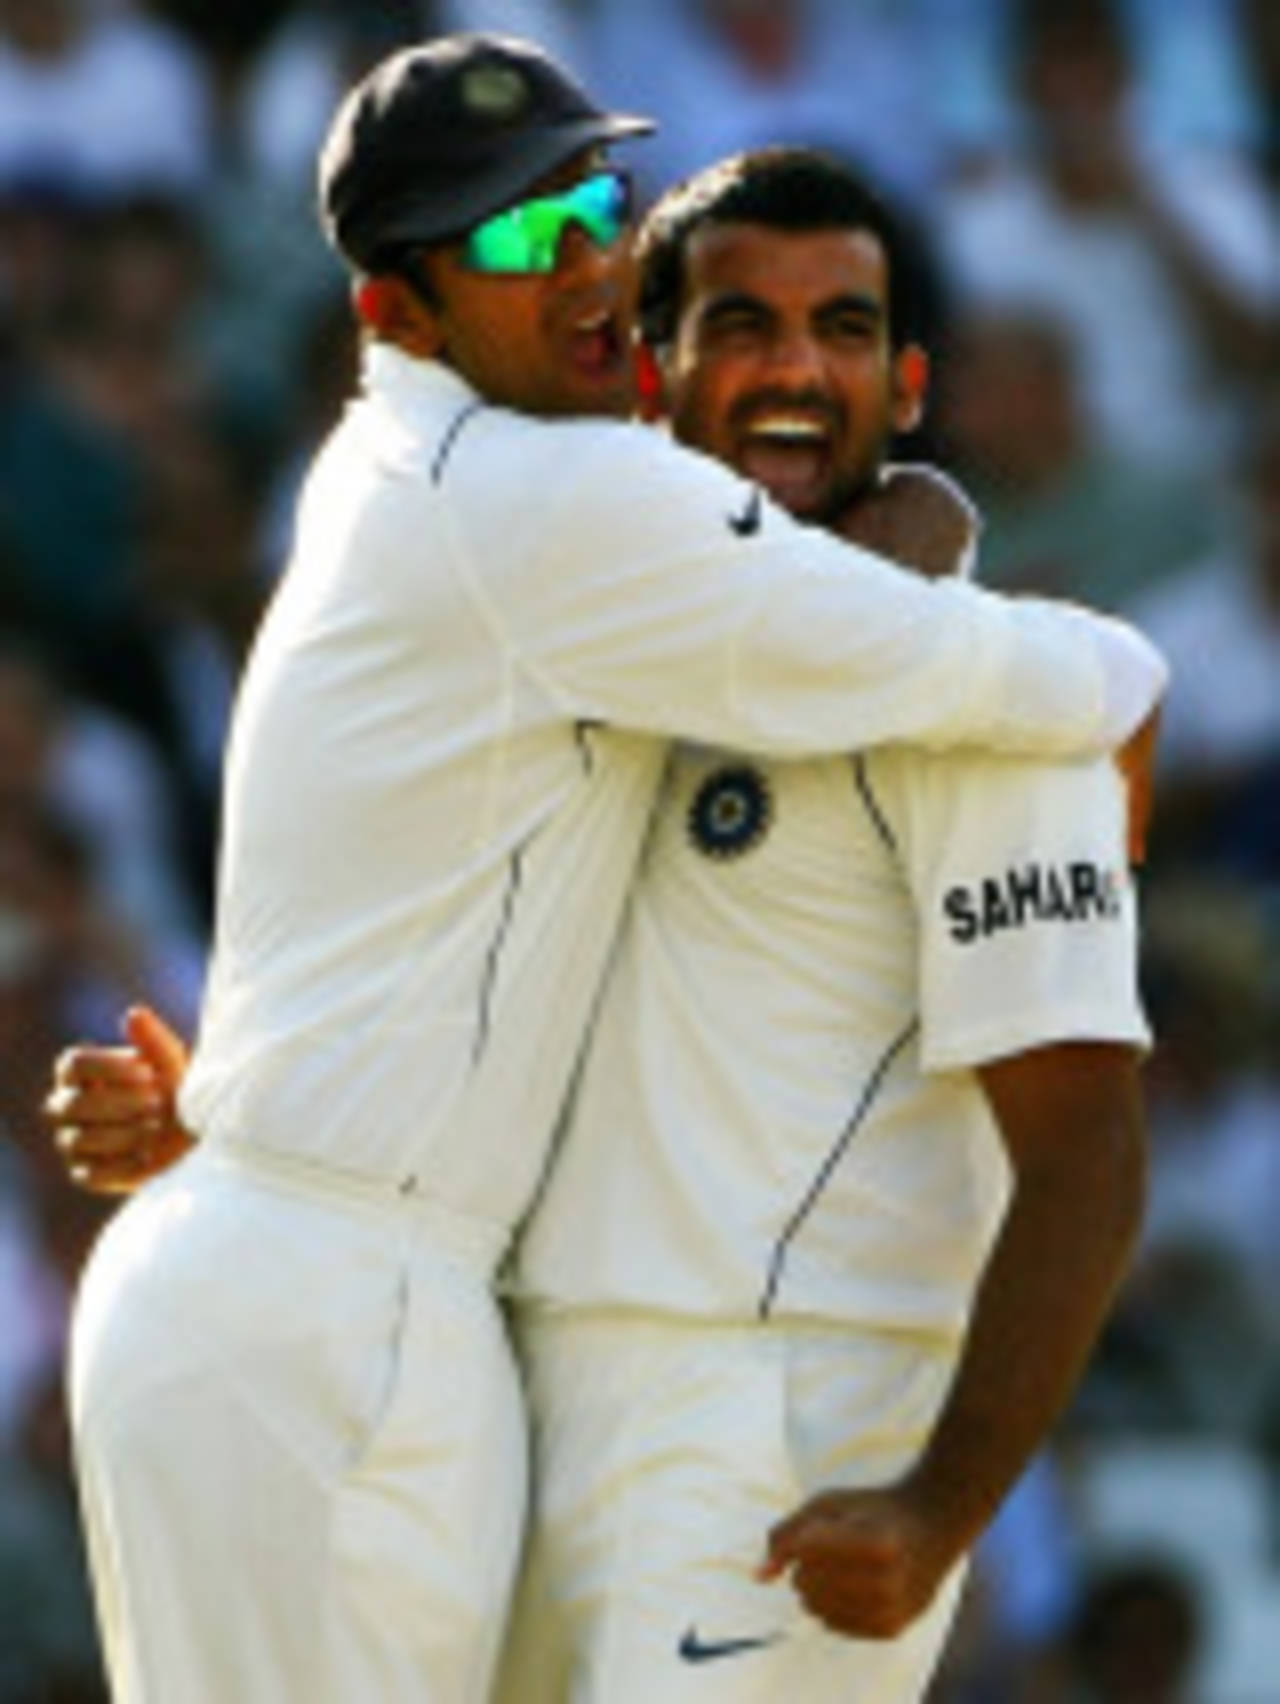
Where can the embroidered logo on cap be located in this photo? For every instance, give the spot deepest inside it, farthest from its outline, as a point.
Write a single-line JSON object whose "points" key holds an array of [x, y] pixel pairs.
{"points": [[495, 91]]}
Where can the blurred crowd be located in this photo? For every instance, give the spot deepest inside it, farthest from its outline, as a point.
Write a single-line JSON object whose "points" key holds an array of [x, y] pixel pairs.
{"points": [[1097, 183]]}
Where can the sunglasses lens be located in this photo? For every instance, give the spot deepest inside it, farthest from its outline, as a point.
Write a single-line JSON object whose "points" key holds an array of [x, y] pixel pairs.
{"points": [[502, 244], [526, 238], [601, 206]]}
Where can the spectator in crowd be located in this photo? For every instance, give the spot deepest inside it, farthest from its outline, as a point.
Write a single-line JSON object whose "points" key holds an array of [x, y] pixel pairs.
{"points": [[68, 496], [1192, 1348], [1191, 81], [203, 584], [854, 76], [44, 231], [62, 756], [1063, 515], [1219, 622], [48, 1650], [1159, 260], [64, 961], [123, 351], [101, 96], [1137, 1636], [1214, 1089], [281, 69]]}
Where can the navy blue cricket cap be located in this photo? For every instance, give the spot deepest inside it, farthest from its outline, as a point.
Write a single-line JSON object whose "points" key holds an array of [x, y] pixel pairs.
{"points": [[436, 138]]}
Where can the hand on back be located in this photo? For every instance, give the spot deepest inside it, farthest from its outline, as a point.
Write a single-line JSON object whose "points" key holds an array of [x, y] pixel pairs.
{"points": [[920, 517], [113, 1110], [917, 515]]}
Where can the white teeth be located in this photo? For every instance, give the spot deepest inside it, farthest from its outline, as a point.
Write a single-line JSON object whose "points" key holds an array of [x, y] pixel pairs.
{"points": [[790, 426], [593, 322]]}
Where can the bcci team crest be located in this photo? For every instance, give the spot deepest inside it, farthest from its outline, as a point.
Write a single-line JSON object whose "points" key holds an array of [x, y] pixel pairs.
{"points": [[494, 91], [730, 813]]}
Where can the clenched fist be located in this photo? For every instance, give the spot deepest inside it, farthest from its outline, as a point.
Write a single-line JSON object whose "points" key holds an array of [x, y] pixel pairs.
{"points": [[864, 1563]]}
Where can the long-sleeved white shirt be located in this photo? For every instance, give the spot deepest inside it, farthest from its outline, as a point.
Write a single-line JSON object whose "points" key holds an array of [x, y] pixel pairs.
{"points": [[449, 737]]}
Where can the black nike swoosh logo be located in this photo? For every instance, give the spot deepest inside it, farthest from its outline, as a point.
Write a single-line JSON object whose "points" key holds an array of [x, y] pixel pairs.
{"points": [[749, 521], [696, 1650]]}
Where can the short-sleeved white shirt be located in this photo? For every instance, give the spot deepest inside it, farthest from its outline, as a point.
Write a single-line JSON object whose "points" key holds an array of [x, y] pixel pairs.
{"points": [[777, 1115], [448, 738]]}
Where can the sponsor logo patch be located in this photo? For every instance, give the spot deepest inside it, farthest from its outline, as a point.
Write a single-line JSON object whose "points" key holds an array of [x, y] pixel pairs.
{"points": [[1079, 892]]}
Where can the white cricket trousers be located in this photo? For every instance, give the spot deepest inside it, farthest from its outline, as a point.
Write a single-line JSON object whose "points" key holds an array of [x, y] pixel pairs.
{"points": [[663, 1453], [300, 1442]]}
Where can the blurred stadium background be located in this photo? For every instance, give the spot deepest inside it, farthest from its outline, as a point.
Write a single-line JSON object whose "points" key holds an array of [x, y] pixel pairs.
{"points": [[1097, 183]]}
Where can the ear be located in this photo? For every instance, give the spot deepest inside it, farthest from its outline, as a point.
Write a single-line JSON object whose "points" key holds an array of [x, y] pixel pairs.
{"points": [[392, 310], [910, 386], [651, 392]]}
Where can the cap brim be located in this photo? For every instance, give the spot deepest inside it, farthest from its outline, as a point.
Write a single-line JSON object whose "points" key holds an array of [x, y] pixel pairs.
{"points": [[437, 217]]}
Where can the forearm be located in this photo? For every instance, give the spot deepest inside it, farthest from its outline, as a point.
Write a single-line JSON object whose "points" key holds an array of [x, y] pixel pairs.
{"points": [[725, 622], [1042, 1301]]}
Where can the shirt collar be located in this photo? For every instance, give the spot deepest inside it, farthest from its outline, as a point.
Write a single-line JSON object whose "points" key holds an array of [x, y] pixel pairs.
{"points": [[415, 388]]}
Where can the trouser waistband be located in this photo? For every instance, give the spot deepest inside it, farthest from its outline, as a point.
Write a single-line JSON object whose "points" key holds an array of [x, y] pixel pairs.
{"points": [[479, 1243]]}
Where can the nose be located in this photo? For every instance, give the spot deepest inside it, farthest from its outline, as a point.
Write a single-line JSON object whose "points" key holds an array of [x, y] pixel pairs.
{"points": [[797, 358]]}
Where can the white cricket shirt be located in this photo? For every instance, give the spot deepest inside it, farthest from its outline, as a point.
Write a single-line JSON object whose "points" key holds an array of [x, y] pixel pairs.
{"points": [[443, 758], [775, 1117]]}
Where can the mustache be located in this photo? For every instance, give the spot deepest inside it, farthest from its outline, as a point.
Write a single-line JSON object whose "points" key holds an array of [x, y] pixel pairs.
{"points": [[775, 400]]}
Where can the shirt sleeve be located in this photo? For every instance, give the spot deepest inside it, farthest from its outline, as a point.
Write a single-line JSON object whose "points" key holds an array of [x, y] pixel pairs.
{"points": [[1027, 911], [667, 595]]}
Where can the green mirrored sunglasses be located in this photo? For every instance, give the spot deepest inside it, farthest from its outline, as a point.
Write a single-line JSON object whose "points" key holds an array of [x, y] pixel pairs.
{"points": [[526, 238]]}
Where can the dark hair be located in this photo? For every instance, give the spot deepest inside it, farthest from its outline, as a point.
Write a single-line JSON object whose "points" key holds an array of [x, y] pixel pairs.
{"points": [[1141, 1614], [1040, 32], [783, 189]]}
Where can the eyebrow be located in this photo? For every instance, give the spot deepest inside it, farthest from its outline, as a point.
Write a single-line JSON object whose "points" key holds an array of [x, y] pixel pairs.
{"points": [[853, 301], [735, 302], [742, 301]]}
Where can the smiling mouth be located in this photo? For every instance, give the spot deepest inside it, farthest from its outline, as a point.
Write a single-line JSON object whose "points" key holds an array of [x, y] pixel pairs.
{"points": [[789, 453]]}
